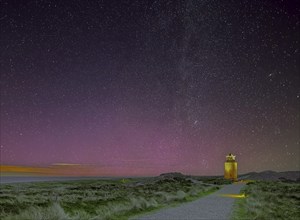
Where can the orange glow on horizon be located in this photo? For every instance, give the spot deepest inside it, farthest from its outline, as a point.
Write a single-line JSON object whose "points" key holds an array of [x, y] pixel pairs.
{"points": [[61, 169], [22, 169], [66, 169]]}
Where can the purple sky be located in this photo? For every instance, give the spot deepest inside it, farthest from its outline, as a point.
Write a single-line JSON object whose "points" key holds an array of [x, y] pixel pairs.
{"points": [[143, 87]]}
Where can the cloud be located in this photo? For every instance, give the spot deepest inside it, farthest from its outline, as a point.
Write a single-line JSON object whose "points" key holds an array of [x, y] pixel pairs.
{"points": [[66, 164]]}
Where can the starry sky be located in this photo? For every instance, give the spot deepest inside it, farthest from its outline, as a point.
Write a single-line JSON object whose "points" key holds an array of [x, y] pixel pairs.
{"points": [[138, 87]]}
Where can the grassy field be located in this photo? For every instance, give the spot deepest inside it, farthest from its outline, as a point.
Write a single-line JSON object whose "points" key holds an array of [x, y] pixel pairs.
{"points": [[98, 199], [269, 200]]}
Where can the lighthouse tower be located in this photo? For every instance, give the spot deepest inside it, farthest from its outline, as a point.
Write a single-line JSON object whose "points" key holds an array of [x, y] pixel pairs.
{"points": [[230, 168]]}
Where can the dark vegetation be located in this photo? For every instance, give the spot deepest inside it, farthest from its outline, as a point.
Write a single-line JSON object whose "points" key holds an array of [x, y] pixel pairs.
{"points": [[99, 199], [269, 200]]}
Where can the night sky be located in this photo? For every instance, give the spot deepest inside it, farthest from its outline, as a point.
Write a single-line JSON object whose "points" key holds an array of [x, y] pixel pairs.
{"points": [[137, 87]]}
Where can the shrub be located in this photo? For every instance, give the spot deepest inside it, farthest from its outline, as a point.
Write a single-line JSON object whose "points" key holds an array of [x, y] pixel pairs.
{"points": [[53, 212]]}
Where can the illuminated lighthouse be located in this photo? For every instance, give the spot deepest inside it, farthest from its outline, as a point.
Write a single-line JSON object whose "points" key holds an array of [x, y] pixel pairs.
{"points": [[230, 168]]}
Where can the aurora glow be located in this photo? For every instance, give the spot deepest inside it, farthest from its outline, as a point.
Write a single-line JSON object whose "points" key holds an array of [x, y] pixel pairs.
{"points": [[145, 87]]}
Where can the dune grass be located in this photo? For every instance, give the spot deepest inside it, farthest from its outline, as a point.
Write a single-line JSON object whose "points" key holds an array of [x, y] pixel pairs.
{"points": [[269, 200], [95, 199]]}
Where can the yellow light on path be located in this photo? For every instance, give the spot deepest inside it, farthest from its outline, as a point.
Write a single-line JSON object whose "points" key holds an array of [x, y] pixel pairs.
{"points": [[236, 196]]}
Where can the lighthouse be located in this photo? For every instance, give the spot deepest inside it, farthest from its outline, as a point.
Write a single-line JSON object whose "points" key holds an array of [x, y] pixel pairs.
{"points": [[230, 168]]}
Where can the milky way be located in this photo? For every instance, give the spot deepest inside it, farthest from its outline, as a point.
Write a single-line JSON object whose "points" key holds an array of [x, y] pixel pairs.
{"points": [[144, 87]]}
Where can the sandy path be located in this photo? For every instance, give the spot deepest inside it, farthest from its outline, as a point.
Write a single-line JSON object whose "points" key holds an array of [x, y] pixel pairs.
{"points": [[213, 206]]}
